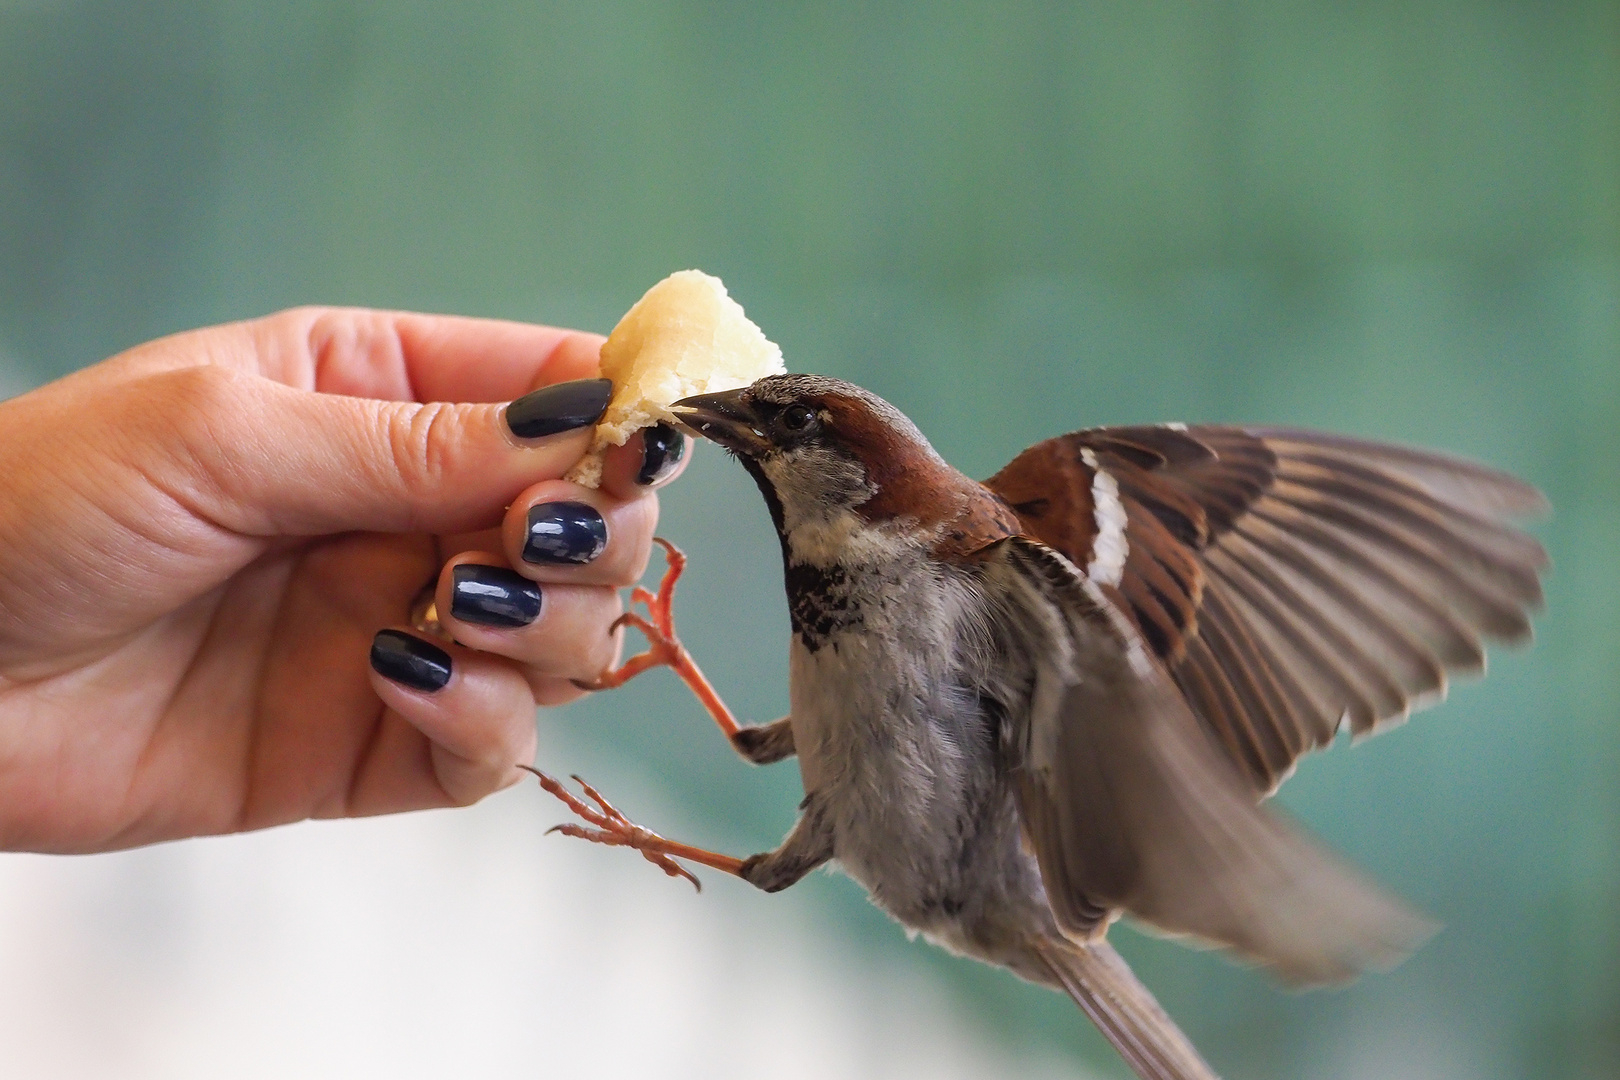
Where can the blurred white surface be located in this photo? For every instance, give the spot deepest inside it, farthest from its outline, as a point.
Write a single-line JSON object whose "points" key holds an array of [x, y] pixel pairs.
{"points": [[451, 943]]}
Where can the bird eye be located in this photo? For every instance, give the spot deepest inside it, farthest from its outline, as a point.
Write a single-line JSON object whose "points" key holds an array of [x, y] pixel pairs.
{"points": [[797, 417]]}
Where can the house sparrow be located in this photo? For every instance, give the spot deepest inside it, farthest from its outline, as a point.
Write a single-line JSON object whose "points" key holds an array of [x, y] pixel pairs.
{"points": [[1025, 707]]}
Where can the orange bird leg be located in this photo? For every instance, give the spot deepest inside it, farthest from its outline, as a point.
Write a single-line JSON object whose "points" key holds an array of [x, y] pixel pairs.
{"points": [[614, 829], [663, 647]]}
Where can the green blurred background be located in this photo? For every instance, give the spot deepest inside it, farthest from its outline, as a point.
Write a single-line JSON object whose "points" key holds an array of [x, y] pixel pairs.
{"points": [[1396, 219]]}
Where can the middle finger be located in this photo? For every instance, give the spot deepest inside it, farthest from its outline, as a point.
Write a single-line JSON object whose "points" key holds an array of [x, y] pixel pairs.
{"points": [[564, 533]]}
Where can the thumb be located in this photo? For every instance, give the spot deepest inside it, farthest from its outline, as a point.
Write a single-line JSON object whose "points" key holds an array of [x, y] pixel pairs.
{"points": [[279, 461]]}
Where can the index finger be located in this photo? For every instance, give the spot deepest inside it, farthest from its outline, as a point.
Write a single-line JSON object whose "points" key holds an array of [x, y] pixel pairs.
{"points": [[496, 359], [407, 356]]}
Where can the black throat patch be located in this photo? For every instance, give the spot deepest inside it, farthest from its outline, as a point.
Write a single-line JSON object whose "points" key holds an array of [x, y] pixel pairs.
{"points": [[819, 602], [818, 599]]}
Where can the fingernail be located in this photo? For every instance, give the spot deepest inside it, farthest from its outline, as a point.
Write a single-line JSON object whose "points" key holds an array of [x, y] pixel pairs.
{"points": [[418, 664], [562, 407], [564, 532], [493, 596], [662, 448]]}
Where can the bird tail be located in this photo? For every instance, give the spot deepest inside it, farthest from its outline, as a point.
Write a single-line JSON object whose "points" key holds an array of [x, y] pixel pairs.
{"points": [[1103, 986]]}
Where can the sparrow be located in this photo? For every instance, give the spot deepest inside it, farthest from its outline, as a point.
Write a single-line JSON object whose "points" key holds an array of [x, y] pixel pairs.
{"points": [[1025, 707]]}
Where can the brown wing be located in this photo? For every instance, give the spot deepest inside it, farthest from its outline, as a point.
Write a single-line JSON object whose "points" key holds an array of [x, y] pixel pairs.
{"points": [[1290, 581], [1129, 803]]}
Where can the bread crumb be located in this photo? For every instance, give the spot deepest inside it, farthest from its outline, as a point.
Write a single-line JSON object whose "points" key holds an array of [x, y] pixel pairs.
{"points": [[685, 336]]}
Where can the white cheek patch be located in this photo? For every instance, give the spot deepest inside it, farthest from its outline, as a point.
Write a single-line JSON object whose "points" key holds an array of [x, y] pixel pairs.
{"points": [[814, 484], [816, 490], [1109, 548]]}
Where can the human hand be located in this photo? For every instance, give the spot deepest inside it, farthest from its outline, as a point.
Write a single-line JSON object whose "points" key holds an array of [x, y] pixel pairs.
{"points": [[201, 538]]}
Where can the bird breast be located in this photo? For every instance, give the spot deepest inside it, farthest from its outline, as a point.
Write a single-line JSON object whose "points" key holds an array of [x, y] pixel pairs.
{"points": [[893, 733]]}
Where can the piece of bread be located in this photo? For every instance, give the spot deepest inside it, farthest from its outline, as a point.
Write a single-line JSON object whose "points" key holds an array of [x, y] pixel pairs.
{"points": [[684, 337]]}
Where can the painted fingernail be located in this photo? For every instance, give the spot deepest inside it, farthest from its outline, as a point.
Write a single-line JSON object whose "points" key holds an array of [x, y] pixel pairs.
{"points": [[662, 448], [562, 407], [410, 661], [564, 532], [493, 596]]}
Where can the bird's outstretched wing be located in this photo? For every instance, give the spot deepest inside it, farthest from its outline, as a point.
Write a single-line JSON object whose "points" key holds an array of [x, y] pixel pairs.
{"points": [[1290, 581], [1129, 803]]}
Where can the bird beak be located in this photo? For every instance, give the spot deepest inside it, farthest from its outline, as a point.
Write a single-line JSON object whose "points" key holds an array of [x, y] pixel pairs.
{"points": [[725, 419]]}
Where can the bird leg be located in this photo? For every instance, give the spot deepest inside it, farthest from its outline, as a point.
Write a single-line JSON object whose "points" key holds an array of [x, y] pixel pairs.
{"points": [[610, 827], [760, 744], [808, 845], [663, 647]]}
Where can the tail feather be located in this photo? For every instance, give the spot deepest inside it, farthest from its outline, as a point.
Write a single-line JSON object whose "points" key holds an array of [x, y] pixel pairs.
{"points": [[1101, 983]]}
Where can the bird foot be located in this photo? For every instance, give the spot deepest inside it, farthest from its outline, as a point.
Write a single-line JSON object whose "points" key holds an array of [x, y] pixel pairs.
{"points": [[664, 648], [608, 826]]}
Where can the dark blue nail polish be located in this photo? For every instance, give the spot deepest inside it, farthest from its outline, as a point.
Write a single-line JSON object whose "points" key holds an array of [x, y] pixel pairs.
{"points": [[410, 661], [662, 448], [562, 407], [564, 532], [493, 596]]}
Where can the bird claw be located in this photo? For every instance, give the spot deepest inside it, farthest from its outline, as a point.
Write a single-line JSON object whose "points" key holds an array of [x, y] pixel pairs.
{"points": [[606, 824], [610, 827], [664, 649]]}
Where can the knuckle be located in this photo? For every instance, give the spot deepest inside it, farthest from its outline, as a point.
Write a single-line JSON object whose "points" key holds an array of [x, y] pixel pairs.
{"points": [[298, 319], [193, 432], [422, 441], [205, 388], [343, 339], [332, 341], [202, 404]]}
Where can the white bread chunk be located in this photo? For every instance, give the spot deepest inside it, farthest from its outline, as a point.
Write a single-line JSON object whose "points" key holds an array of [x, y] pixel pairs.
{"points": [[684, 337]]}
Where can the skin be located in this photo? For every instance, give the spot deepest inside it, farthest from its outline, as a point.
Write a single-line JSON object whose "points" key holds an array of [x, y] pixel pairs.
{"points": [[200, 537]]}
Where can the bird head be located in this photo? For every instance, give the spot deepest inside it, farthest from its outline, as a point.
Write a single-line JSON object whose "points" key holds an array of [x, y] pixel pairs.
{"points": [[835, 462]]}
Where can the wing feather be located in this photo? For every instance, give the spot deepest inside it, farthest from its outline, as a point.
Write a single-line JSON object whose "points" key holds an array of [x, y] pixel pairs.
{"points": [[1463, 484], [1290, 580], [1322, 671], [1130, 804], [1271, 718], [1218, 703]]}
